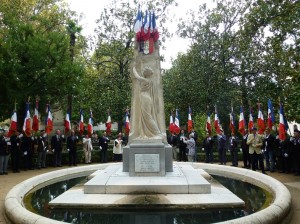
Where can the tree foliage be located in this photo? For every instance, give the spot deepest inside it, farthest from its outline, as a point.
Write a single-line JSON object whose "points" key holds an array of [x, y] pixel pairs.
{"points": [[35, 53], [242, 52]]}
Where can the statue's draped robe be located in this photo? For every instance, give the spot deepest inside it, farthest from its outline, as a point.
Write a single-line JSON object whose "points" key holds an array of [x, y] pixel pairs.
{"points": [[147, 119]]}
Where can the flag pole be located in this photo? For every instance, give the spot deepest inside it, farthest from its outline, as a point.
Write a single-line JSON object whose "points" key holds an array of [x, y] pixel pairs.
{"points": [[15, 109], [285, 116]]}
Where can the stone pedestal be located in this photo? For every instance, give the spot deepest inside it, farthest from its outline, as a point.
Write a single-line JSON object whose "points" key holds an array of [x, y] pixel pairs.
{"points": [[183, 179], [147, 159]]}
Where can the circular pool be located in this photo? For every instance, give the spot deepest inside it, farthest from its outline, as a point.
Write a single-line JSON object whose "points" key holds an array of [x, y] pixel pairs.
{"points": [[275, 212]]}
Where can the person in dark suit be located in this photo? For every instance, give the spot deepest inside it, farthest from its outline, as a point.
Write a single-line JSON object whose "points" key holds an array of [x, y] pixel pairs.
{"points": [[15, 151], [27, 150], [4, 153], [57, 145], [222, 147], [173, 142], [269, 150], [182, 146], [42, 145], [72, 141], [295, 149], [208, 148], [233, 147], [285, 157], [103, 144]]}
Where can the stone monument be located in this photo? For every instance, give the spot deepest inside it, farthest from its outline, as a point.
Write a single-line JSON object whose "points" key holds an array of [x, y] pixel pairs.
{"points": [[147, 170], [147, 152]]}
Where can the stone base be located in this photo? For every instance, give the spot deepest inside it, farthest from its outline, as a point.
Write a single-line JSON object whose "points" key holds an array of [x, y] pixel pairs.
{"points": [[147, 159], [183, 188], [183, 180]]}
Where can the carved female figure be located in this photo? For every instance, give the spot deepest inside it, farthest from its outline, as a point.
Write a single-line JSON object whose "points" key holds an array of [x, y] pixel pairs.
{"points": [[147, 122]]}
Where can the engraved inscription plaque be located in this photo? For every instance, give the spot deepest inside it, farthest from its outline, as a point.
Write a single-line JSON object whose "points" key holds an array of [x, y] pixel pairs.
{"points": [[146, 163]]}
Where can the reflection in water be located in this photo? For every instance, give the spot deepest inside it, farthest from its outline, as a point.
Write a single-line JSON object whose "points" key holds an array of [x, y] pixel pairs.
{"points": [[253, 196]]}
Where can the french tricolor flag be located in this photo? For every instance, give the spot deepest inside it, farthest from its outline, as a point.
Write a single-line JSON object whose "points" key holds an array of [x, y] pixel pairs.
{"points": [[146, 26], [271, 117], [90, 125], [242, 122], [35, 122], [208, 124], [13, 124], [67, 122], [217, 122], [250, 123], [153, 28], [171, 125], [108, 124], [283, 125], [127, 123], [176, 123], [190, 121], [81, 124], [231, 118], [49, 121], [138, 25], [27, 121], [260, 121]]}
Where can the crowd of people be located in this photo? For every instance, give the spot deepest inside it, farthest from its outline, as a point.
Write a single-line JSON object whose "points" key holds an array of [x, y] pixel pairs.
{"points": [[259, 152], [30, 152]]}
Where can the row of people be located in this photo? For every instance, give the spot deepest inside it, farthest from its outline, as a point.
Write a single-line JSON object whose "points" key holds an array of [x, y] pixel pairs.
{"points": [[255, 148], [258, 150], [31, 148], [183, 148], [269, 150]]}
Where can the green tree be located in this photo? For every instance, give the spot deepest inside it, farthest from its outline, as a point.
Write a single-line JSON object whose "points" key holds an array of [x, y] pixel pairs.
{"points": [[34, 53], [109, 64], [206, 75], [274, 24]]}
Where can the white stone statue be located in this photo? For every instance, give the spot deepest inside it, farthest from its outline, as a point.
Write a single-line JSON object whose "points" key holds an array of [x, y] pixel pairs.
{"points": [[147, 121]]}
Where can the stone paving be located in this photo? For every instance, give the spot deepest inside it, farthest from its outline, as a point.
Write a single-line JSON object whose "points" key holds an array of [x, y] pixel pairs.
{"points": [[8, 181]]}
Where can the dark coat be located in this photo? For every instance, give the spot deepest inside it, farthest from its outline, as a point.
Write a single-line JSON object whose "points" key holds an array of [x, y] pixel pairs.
{"points": [[3, 147], [233, 143], [269, 143], [173, 140], [57, 144], [103, 142], [15, 143], [244, 145], [41, 143], [26, 144], [208, 143], [182, 144], [72, 143], [221, 141]]}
